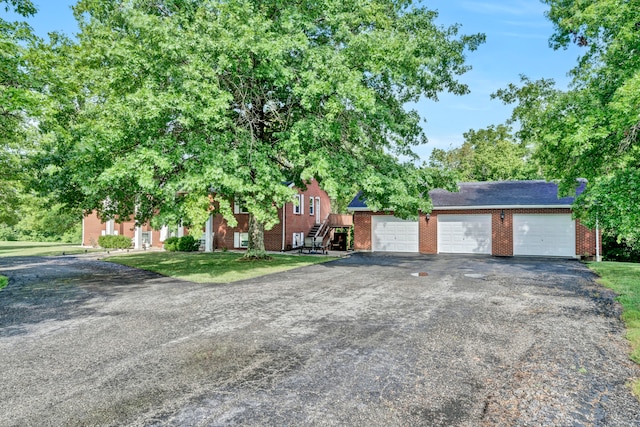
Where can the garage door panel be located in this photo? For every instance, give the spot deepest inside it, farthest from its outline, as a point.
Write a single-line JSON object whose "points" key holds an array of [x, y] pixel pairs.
{"points": [[544, 235], [464, 234], [392, 234]]}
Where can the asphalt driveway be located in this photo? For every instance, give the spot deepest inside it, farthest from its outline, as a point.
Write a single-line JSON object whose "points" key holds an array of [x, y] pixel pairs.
{"points": [[365, 340]]}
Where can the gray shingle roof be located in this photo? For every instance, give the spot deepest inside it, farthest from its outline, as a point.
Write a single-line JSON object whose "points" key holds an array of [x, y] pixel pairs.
{"points": [[499, 193], [503, 193], [358, 202]]}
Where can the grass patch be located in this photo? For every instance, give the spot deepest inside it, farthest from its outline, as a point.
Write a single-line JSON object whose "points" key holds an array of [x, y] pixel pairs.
{"points": [[624, 279], [218, 267], [39, 249], [4, 281]]}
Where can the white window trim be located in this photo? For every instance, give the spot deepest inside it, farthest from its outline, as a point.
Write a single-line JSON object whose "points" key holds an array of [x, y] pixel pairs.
{"points": [[150, 235], [298, 208], [238, 208], [312, 206], [238, 240], [298, 240]]}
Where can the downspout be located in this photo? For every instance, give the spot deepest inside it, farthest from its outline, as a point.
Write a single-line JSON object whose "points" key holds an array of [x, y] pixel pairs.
{"points": [[284, 216], [83, 229], [597, 241]]}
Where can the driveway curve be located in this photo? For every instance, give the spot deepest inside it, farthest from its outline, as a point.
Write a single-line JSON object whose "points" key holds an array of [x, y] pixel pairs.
{"points": [[365, 340]]}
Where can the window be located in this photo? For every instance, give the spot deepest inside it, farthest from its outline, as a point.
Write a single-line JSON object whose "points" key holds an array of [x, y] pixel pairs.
{"points": [[240, 240], [146, 238], [110, 228], [298, 240], [298, 204], [311, 206], [239, 207]]}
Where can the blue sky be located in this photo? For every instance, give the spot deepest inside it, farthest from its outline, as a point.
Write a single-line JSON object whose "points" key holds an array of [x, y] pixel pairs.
{"points": [[517, 43]]}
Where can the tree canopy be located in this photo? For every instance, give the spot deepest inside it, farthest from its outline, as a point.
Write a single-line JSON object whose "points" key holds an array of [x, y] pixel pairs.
{"points": [[592, 129], [19, 99], [162, 105], [491, 154]]}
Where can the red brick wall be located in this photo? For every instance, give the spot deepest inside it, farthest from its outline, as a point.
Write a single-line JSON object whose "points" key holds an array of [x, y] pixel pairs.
{"points": [[501, 233], [502, 230], [223, 234], [304, 222], [428, 240], [93, 228], [294, 223], [586, 241], [223, 237], [362, 231]]}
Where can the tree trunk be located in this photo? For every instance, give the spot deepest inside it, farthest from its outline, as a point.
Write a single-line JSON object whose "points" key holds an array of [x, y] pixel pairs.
{"points": [[256, 248]]}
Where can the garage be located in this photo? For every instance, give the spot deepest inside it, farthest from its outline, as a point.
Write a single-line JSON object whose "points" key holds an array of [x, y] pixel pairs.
{"points": [[544, 235], [502, 218], [392, 234], [464, 234]]}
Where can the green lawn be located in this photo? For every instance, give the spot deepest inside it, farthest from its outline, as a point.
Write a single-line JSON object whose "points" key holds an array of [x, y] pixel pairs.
{"points": [[38, 249], [624, 279], [217, 267]]}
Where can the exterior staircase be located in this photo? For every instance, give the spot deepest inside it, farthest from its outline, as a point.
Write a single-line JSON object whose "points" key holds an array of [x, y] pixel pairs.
{"points": [[319, 231]]}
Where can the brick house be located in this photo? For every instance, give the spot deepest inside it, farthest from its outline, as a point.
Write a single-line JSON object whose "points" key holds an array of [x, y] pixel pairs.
{"points": [[298, 218], [506, 218]]}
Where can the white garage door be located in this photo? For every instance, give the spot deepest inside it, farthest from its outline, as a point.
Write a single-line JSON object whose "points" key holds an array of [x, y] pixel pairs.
{"points": [[391, 234], [546, 235], [464, 234]]}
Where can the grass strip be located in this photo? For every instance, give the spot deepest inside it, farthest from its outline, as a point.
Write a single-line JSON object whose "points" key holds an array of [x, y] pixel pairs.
{"points": [[217, 267], [4, 281], [624, 279]]}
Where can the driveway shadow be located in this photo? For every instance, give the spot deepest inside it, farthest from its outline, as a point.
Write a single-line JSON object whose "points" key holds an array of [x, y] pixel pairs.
{"points": [[55, 288]]}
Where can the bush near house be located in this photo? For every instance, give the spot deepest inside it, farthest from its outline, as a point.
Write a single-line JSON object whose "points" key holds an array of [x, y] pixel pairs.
{"points": [[171, 244], [114, 242], [623, 251], [181, 244]]}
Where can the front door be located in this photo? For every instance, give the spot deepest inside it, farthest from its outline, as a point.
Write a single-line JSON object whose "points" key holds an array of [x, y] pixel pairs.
{"points": [[317, 207]]}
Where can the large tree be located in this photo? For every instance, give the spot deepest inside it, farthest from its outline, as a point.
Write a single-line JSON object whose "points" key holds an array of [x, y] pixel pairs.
{"points": [[19, 99], [491, 154], [176, 102], [591, 130]]}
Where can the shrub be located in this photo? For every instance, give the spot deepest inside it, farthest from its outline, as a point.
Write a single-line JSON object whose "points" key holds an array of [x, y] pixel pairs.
{"points": [[8, 233], [114, 242], [3, 281], [623, 251], [188, 244], [171, 244], [182, 244]]}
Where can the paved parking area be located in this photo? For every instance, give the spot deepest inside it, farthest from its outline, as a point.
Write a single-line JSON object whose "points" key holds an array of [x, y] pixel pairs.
{"points": [[366, 340]]}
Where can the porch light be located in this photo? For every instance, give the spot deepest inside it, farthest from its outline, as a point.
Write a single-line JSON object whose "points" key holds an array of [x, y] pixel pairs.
{"points": [[428, 217], [502, 215]]}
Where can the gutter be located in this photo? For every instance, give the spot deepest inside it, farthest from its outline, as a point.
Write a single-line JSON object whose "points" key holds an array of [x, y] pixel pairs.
{"points": [[284, 225], [469, 208]]}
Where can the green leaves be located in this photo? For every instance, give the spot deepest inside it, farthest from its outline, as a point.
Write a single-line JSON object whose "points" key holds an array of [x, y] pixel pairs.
{"points": [[491, 154], [173, 104], [591, 130]]}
